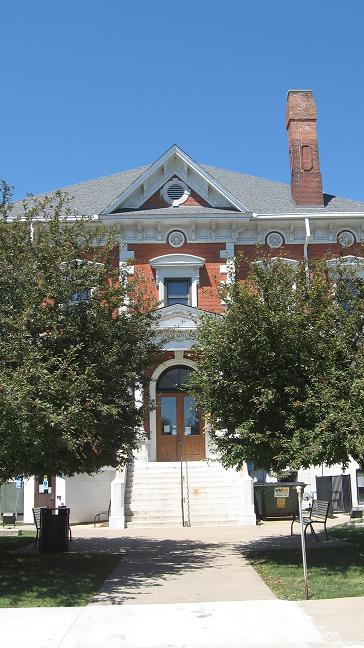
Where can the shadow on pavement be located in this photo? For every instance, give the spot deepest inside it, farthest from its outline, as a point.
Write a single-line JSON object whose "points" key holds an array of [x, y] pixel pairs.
{"points": [[147, 563]]}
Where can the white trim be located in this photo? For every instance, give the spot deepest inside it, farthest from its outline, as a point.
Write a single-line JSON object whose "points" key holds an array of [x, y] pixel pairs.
{"points": [[182, 266], [348, 260], [285, 260], [173, 260], [174, 151]]}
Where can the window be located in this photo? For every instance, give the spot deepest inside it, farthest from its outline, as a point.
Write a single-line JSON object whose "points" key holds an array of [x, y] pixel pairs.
{"points": [[177, 291], [177, 278], [80, 296], [174, 379]]}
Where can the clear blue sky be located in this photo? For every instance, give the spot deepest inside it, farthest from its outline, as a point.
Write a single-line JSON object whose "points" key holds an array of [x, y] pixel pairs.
{"points": [[92, 87]]}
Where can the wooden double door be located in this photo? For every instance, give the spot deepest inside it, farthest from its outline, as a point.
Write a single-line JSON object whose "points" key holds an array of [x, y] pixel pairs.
{"points": [[179, 428]]}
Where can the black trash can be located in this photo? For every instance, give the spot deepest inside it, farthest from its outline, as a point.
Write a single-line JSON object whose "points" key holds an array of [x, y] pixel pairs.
{"points": [[54, 530]]}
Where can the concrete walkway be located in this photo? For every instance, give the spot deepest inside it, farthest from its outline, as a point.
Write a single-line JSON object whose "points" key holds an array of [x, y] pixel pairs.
{"points": [[184, 565], [188, 588], [236, 624], [180, 566]]}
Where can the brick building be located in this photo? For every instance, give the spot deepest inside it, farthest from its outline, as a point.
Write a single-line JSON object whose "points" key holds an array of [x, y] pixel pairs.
{"points": [[180, 223]]}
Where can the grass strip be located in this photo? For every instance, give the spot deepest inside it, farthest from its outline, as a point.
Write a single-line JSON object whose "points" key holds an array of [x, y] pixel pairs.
{"points": [[333, 571], [50, 580]]}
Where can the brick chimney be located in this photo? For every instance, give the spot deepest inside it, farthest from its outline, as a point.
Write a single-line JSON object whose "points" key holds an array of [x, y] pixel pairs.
{"points": [[301, 116]]}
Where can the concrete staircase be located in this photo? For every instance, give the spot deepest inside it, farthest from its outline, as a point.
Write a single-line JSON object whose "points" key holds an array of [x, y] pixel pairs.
{"points": [[211, 495]]}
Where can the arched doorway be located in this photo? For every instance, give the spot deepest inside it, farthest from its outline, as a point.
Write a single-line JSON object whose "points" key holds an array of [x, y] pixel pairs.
{"points": [[179, 425]]}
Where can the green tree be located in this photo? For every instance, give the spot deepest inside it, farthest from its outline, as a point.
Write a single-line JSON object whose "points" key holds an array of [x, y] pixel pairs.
{"points": [[281, 373], [70, 353]]}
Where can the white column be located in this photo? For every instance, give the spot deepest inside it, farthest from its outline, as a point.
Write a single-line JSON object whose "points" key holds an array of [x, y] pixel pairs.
{"points": [[117, 496], [28, 500], [194, 288], [141, 454], [247, 497]]}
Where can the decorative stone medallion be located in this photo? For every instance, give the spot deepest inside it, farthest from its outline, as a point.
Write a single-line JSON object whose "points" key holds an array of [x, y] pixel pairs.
{"points": [[176, 238], [346, 238], [274, 240]]}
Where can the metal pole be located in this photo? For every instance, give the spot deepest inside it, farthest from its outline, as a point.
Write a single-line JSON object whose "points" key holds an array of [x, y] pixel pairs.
{"points": [[182, 496], [303, 539]]}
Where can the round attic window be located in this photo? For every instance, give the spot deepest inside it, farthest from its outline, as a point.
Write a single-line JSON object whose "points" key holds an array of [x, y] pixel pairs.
{"points": [[274, 239], [346, 238], [175, 192]]}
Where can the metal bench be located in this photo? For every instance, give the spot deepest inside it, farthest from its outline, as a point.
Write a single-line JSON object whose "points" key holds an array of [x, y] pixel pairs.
{"points": [[105, 514], [37, 521], [9, 518], [318, 515], [356, 514]]}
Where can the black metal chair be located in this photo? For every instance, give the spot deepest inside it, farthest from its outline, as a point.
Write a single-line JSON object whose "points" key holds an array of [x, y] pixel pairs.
{"points": [[105, 514], [318, 515]]}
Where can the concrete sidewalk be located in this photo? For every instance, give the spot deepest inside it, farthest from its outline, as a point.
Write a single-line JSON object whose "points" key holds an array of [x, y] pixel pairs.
{"points": [[188, 588], [235, 624], [184, 564]]}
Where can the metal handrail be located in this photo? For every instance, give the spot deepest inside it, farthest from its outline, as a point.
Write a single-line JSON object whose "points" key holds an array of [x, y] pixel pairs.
{"points": [[187, 522], [181, 478]]}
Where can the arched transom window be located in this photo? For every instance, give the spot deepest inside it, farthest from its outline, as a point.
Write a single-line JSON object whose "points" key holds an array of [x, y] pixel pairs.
{"points": [[174, 379]]}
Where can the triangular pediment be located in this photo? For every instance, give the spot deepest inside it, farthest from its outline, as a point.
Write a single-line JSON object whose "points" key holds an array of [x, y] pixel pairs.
{"points": [[174, 165], [178, 316]]}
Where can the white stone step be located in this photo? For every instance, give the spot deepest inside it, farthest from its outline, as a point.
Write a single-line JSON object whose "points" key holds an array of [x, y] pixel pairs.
{"points": [[153, 495]]}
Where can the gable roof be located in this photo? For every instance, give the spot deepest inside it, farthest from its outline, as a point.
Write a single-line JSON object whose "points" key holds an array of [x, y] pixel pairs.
{"points": [[257, 194], [175, 162]]}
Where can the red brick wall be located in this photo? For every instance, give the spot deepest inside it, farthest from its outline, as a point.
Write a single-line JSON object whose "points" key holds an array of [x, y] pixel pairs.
{"points": [[315, 251], [208, 298]]}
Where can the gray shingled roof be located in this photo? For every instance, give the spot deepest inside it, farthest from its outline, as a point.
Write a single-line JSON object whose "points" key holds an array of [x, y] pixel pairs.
{"points": [[258, 194]]}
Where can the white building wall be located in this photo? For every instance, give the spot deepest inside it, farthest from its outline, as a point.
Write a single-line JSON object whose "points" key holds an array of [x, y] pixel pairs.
{"points": [[87, 495], [308, 475]]}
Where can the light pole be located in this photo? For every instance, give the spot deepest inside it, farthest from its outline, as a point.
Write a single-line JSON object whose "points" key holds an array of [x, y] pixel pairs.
{"points": [[303, 539]]}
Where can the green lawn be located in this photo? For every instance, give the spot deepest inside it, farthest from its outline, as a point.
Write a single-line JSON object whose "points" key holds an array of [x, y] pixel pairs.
{"points": [[333, 571], [50, 580]]}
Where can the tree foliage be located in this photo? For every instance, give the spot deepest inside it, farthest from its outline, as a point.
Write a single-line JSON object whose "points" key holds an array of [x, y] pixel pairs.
{"points": [[281, 373], [70, 356]]}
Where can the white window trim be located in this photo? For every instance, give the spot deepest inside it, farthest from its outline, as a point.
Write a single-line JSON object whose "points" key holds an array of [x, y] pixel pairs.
{"points": [[348, 261], [285, 260], [181, 266]]}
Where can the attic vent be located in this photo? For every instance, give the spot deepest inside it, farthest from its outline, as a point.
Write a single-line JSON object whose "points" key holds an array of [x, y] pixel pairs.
{"points": [[175, 192]]}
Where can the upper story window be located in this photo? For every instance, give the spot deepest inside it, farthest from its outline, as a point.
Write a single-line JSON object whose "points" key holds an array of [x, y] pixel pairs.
{"points": [[81, 273], [177, 291], [80, 296], [177, 278]]}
